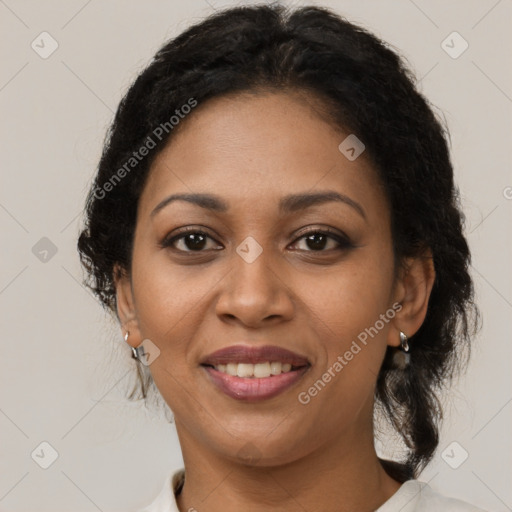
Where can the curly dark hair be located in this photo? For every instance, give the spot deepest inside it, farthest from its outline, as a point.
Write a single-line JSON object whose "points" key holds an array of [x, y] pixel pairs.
{"points": [[365, 87]]}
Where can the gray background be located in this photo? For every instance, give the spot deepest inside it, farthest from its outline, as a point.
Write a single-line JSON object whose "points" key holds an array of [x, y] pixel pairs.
{"points": [[64, 365]]}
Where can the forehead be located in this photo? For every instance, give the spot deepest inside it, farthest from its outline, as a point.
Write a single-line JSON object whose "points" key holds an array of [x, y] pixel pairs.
{"points": [[256, 148]]}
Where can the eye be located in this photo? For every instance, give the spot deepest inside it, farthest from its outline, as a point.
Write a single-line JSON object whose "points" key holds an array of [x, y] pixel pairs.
{"points": [[317, 240], [195, 240], [191, 239]]}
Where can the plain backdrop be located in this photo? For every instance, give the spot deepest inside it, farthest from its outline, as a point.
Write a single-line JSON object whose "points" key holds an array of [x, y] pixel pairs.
{"points": [[64, 365]]}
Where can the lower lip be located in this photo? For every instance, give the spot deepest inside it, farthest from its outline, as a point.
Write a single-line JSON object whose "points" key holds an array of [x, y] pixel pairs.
{"points": [[254, 389]]}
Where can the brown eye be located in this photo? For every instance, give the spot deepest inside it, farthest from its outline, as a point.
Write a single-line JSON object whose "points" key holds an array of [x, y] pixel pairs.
{"points": [[190, 241], [323, 241]]}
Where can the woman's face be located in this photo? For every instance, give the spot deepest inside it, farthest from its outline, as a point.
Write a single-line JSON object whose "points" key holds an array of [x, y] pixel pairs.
{"points": [[260, 277]]}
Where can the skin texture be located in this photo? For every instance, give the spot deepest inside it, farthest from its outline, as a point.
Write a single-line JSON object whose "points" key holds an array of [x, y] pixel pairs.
{"points": [[251, 150]]}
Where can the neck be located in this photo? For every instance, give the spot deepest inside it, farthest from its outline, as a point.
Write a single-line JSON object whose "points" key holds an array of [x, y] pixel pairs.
{"points": [[343, 475]]}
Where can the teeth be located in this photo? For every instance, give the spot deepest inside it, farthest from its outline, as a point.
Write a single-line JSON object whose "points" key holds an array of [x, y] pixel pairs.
{"points": [[231, 369], [261, 370], [245, 370], [258, 371], [275, 368]]}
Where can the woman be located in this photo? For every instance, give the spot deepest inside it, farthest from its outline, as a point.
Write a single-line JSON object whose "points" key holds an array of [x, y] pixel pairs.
{"points": [[275, 224]]}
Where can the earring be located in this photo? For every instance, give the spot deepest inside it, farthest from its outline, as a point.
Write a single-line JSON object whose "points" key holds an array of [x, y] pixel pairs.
{"points": [[138, 352], [403, 342], [401, 357]]}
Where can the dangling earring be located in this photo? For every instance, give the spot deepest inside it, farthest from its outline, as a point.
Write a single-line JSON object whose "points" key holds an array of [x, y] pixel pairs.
{"points": [[402, 358], [136, 352], [403, 342]]}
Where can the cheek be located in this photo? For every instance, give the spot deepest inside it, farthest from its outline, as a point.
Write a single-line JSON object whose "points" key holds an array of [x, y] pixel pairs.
{"points": [[354, 310], [352, 299], [170, 304], [363, 299], [170, 300], [352, 342]]}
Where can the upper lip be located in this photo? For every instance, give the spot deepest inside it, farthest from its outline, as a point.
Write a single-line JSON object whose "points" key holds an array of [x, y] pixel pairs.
{"points": [[254, 355]]}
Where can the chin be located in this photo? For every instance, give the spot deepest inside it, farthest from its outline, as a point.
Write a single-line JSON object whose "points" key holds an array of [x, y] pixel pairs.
{"points": [[263, 453]]}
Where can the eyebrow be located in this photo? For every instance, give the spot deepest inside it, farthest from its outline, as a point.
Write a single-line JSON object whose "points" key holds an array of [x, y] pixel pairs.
{"points": [[287, 204]]}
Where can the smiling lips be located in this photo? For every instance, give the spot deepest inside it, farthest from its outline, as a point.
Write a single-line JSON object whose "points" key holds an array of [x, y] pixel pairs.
{"points": [[254, 373]]}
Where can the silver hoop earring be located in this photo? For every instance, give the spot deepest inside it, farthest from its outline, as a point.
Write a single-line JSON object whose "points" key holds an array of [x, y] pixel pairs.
{"points": [[138, 352], [401, 357], [403, 342]]}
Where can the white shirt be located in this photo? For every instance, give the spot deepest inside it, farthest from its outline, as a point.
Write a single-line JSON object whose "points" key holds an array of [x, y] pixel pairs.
{"points": [[413, 496]]}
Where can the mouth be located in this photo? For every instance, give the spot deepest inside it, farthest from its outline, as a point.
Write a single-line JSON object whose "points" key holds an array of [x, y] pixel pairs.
{"points": [[254, 373]]}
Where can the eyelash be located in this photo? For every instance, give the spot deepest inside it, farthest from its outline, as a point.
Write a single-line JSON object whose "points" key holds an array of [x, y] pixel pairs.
{"points": [[343, 241]]}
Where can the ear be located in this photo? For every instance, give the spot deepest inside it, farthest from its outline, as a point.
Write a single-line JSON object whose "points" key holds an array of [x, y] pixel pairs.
{"points": [[126, 311], [412, 291]]}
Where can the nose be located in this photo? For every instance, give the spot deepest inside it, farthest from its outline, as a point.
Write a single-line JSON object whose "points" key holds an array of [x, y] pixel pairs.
{"points": [[255, 293]]}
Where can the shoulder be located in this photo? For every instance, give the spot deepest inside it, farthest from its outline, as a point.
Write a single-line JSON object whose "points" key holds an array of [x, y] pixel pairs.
{"points": [[416, 496]]}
